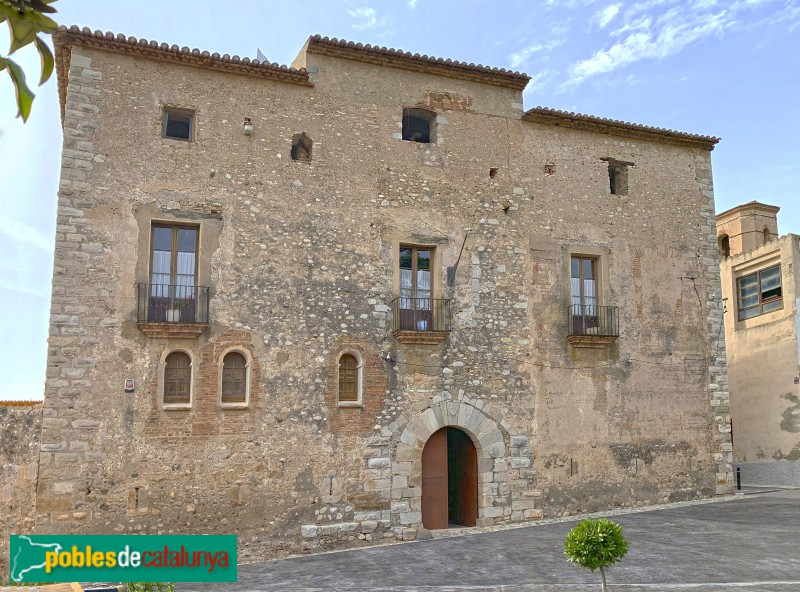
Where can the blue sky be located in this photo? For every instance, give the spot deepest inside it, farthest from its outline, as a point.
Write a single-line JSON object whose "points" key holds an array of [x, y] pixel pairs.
{"points": [[724, 68]]}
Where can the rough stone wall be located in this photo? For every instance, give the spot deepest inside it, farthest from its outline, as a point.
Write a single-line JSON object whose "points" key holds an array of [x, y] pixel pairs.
{"points": [[19, 463], [304, 265]]}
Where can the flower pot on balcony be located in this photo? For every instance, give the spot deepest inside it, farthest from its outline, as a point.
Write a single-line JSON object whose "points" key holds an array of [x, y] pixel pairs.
{"points": [[173, 315]]}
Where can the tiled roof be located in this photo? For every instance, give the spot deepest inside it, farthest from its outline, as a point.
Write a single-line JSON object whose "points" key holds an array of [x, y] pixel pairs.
{"points": [[19, 403], [396, 58], [618, 128], [64, 38]]}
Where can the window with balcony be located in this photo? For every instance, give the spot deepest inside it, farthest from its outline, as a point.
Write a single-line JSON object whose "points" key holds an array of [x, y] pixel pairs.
{"points": [[587, 318], [172, 296], [760, 292], [416, 310]]}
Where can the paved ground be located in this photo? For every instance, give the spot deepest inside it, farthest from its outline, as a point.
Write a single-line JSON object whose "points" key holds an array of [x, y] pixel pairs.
{"points": [[673, 549]]}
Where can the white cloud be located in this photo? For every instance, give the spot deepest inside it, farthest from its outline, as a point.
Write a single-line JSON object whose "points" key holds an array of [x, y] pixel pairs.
{"points": [[569, 3], [605, 16], [367, 17], [523, 56], [412, 4], [652, 36], [21, 233]]}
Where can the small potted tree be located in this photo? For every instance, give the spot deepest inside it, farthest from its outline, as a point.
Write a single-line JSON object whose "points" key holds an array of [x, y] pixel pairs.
{"points": [[596, 544], [173, 314]]}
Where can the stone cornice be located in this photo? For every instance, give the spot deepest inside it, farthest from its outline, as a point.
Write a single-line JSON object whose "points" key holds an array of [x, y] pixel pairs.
{"points": [[752, 205], [65, 38], [614, 127], [395, 58]]}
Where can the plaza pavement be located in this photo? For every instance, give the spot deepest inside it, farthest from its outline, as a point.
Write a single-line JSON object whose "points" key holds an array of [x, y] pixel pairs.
{"points": [[749, 543]]}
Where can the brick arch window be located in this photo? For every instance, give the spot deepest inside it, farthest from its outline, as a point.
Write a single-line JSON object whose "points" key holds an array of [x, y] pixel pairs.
{"points": [[234, 379], [176, 384], [349, 378]]}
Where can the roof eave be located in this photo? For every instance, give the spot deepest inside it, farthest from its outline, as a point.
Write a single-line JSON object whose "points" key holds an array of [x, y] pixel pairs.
{"points": [[614, 127], [65, 38], [394, 58]]}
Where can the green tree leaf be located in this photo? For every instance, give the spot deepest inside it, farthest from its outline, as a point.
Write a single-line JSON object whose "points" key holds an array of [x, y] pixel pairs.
{"points": [[596, 544], [43, 24], [48, 61], [24, 94], [26, 21], [42, 6], [23, 30]]}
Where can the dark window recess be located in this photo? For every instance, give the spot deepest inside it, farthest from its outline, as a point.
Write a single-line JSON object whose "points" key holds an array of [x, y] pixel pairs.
{"points": [[767, 235], [618, 176], [177, 379], [492, 172], [760, 292], [348, 378], [419, 125], [178, 124], [725, 245], [301, 147], [234, 378]]}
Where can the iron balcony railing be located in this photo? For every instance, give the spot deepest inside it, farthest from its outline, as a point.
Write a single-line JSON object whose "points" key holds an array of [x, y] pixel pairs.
{"points": [[421, 314], [170, 303], [593, 320]]}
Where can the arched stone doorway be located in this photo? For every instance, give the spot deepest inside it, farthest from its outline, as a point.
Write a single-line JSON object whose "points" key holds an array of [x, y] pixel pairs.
{"points": [[449, 480]]}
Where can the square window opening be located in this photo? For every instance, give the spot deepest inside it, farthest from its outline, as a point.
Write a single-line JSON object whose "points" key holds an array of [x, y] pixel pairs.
{"points": [[178, 124], [419, 125], [759, 293]]}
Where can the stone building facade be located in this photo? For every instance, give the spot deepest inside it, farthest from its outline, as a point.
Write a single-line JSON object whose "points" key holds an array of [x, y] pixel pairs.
{"points": [[333, 303], [21, 423], [761, 334]]}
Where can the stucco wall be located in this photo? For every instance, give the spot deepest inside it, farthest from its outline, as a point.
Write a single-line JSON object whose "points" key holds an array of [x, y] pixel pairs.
{"points": [[763, 361]]}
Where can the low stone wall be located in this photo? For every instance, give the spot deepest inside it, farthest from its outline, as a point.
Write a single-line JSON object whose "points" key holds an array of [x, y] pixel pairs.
{"points": [[339, 524], [775, 473], [19, 460]]}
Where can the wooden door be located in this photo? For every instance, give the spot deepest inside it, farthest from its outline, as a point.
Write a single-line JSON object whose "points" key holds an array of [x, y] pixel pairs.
{"points": [[434, 481], [464, 475]]}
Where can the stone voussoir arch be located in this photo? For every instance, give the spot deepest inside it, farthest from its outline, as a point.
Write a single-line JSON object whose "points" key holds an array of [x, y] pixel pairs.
{"points": [[489, 432]]}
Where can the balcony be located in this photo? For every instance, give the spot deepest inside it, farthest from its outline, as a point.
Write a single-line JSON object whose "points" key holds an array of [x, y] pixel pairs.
{"points": [[424, 321], [168, 310], [592, 326]]}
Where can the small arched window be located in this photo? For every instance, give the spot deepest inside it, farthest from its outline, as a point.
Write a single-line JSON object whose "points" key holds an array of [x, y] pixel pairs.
{"points": [[419, 125], [767, 235], [302, 145], [235, 381], [349, 379], [724, 245], [178, 379]]}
